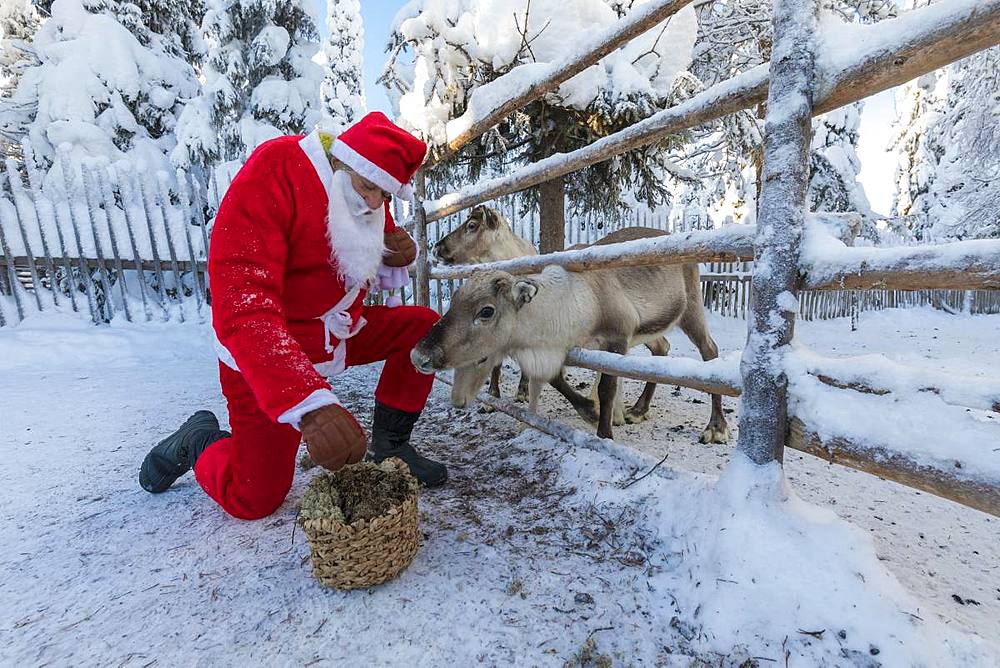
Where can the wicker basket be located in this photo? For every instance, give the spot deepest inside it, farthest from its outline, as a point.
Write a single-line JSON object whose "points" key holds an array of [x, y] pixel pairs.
{"points": [[365, 552]]}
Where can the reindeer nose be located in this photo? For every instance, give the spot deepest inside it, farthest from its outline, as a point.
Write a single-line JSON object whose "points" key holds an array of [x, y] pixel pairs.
{"points": [[441, 253], [422, 361]]}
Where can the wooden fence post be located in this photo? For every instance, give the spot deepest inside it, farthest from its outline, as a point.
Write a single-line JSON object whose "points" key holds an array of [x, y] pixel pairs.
{"points": [[422, 294], [787, 132]]}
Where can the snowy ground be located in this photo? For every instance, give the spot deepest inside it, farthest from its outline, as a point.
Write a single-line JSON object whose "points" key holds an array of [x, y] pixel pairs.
{"points": [[530, 552]]}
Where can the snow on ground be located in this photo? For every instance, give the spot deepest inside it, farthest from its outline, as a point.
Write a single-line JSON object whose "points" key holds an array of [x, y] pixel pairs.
{"points": [[532, 555]]}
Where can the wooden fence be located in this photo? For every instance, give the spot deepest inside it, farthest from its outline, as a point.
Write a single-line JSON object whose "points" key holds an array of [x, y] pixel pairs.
{"points": [[806, 77], [725, 285], [115, 241]]}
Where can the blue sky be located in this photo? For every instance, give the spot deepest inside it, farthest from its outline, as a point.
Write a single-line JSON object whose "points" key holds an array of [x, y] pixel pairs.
{"points": [[877, 164]]}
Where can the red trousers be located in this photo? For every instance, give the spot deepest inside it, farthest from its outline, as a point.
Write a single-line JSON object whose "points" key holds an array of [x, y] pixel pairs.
{"points": [[249, 474]]}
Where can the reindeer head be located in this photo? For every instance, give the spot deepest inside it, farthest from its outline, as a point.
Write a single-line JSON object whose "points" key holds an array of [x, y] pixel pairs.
{"points": [[485, 236], [477, 330]]}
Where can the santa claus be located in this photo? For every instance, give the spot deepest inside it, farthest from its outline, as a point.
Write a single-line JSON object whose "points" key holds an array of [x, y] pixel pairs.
{"points": [[302, 233]]}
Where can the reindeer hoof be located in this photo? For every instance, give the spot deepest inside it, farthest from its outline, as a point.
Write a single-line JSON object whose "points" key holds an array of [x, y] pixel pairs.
{"points": [[715, 435], [633, 416], [609, 434], [486, 409], [521, 397]]}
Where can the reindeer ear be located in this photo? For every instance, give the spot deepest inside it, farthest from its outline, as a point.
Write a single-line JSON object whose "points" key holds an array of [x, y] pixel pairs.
{"points": [[524, 291]]}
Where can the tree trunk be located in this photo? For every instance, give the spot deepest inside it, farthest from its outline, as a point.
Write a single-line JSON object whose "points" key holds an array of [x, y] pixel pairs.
{"points": [[422, 287], [552, 216]]}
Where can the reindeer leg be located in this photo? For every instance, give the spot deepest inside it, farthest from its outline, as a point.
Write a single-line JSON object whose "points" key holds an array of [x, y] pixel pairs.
{"points": [[522, 389], [494, 389], [586, 408], [694, 326], [640, 411], [607, 392], [534, 392], [618, 417], [495, 381], [618, 412]]}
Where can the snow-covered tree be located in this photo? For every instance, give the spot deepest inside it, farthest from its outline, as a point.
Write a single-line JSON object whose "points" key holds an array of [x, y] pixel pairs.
{"points": [[834, 166], [948, 175], [19, 21], [921, 103], [259, 80], [444, 50], [734, 36], [342, 91], [104, 85]]}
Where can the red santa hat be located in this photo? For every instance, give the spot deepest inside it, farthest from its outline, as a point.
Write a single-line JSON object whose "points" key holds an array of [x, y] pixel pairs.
{"points": [[382, 152]]}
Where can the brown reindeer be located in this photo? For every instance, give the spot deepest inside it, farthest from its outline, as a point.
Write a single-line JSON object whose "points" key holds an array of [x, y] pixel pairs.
{"points": [[536, 319]]}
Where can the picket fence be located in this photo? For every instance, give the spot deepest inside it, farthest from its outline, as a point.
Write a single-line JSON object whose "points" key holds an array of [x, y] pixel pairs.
{"points": [[117, 241]]}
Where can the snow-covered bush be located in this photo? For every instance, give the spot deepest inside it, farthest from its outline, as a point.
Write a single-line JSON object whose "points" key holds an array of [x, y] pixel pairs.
{"points": [[100, 87]]}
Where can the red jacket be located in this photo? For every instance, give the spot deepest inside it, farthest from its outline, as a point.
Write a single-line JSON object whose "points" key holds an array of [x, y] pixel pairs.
{"points": [[271, 274]]}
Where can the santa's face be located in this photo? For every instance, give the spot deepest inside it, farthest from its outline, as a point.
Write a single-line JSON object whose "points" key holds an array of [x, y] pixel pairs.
{"points": [[374, 196]]}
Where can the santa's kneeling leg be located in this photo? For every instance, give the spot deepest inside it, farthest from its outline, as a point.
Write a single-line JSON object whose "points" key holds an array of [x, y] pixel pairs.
{"points": [[390, 334], [250, 472]]}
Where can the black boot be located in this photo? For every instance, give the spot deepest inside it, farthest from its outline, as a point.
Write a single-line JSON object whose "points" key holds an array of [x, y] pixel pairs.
{"points": [[176, 454], [391, 429]]}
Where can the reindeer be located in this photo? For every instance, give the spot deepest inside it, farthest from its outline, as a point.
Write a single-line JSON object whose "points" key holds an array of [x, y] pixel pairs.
{"points": [[486, 236], [536, 319]]}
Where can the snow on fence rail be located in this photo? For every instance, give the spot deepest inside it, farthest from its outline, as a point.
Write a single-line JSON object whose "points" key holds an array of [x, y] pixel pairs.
{"points": [[812, 71]]}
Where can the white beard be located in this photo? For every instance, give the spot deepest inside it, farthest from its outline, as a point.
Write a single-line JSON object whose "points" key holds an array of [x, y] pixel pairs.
{"points": [[356, 233]]}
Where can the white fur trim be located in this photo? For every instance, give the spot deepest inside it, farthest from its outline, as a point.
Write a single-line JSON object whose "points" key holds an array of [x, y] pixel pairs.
{"points": [[366, 168], [313, 148], [317, 399], [325, 369], [223, 353]]}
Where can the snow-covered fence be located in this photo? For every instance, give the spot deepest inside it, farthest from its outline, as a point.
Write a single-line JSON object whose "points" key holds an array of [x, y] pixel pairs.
{"points": [[812, 71], [726, 280], [110, 240]]}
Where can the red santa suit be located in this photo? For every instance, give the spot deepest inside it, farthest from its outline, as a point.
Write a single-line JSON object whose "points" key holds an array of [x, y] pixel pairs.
{"points": [[289, 266]]}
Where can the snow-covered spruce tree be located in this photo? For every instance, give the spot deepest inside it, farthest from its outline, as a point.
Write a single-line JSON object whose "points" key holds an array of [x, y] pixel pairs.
{"points": [[442, 51], [342, 92], [948, 175], [100, 87], [834, 167], [19, 21], [917, 147], [968, 183], [259, 80]]}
